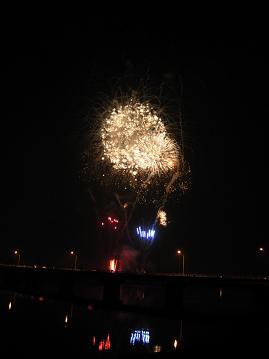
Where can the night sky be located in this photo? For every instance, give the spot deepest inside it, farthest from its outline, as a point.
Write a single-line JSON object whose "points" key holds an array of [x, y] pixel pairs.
{"points": [[51, 80]]}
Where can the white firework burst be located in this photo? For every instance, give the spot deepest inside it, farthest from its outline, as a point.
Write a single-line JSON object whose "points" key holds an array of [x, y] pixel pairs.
{"points": [[136, 142]]}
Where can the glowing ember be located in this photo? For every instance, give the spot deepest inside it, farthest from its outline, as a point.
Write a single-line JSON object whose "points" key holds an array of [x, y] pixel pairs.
{"points": [[113, 265], [107, 343], [110, 221], [101, 345], [104, 344], [162, 218], [157, 348]]}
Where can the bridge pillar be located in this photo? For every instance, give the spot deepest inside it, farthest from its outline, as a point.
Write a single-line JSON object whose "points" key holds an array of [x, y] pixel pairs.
{"points": [[111, 293], [174, 298]]}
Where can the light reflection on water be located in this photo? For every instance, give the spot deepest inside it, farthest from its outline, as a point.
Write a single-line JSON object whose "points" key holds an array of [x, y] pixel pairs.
{"points": [[84, 329], [36, 322]]}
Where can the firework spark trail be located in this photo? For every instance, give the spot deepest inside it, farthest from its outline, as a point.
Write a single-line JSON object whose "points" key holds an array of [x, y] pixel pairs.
{"points": [[127, 219], [125, 226], [167, 191]]}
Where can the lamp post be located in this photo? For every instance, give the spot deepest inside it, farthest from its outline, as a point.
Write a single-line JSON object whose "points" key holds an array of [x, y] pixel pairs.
{"points": [[262, 262], [179, 252], [17, 253], [75, 259]]}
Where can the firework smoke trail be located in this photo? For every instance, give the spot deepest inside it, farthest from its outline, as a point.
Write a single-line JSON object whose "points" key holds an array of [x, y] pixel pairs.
{"points": [[127, 219], [125, 226], [136, 145], [143, 186], [178, 173], [175, 176], [137, 150]]}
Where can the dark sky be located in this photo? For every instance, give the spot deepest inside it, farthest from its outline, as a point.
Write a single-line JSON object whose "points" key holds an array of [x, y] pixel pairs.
{"points": [[50, 80]]}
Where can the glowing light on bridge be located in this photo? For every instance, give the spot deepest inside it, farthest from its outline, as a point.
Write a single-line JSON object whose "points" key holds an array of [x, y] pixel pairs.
{"points": [[113, 264]]}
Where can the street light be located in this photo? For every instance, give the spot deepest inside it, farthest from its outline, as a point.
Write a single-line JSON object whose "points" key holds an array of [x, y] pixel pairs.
{"points": [[75, 259], [17, 253], [183, 260]]}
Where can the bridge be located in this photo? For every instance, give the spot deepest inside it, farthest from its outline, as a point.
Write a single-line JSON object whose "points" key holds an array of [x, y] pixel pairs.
{"points": [[135, 291]]}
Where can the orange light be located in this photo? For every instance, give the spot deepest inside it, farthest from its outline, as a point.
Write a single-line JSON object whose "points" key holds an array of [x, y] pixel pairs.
{"points": [[113, 265]]}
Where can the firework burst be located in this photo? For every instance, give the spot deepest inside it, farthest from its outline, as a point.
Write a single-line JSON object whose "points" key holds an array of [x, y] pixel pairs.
{"points": [[135, 152], [135, 146], [135, 141]]}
